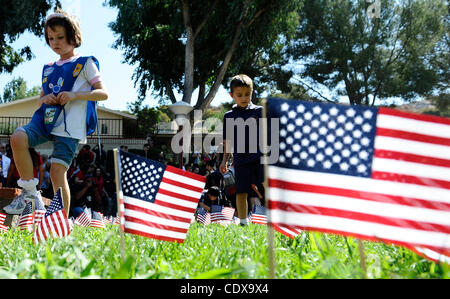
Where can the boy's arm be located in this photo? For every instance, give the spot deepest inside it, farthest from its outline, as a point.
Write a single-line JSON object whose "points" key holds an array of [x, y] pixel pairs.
{"points": [[226, 156], [98, 94]]}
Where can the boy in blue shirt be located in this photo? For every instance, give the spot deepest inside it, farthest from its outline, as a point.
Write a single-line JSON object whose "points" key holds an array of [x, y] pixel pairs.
{"points": [[241, 138]]}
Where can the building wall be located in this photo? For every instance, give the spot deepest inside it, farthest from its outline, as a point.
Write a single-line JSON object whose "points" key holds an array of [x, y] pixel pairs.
{"points": [[27, 107]]}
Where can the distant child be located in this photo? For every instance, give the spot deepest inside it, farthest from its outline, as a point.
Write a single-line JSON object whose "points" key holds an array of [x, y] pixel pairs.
{"points": [[211, 197], [66, 114], [246, 154]]}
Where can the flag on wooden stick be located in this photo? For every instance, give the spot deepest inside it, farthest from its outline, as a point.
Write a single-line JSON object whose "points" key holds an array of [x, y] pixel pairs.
{"points": [[97, 220], [373, 173], [156, 200], [55, 222], [84, 219], [221, 215], [26, 219], [203, 216]]}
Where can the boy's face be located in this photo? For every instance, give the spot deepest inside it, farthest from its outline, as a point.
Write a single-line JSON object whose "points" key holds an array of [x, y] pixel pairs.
{"points": [[57, 40], [242, 96]]}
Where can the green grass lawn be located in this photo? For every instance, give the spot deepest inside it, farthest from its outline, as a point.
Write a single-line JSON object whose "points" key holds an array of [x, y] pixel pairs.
{"points": [[213, 251]]}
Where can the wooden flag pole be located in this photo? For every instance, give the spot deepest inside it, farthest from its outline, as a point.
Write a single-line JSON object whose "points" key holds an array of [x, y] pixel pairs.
{"points": [[119, 203], [270, 233], [362, 258], [33, 209]]}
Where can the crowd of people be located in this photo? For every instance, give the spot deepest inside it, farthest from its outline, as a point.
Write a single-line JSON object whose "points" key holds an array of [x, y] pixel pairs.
{"points": [[92, 184]]}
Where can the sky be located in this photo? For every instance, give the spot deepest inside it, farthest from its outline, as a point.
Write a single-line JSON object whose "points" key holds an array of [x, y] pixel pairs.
{"points": [[97, 41]]}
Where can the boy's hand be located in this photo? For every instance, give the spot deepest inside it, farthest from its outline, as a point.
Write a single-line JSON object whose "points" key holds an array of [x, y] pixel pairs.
{"points": [[65, 97], [49, 99]]}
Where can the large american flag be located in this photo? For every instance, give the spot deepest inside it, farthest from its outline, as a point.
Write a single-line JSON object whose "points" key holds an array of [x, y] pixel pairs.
{"points": [[157, 201], [55, 222], [373, 173], [25, 221]]}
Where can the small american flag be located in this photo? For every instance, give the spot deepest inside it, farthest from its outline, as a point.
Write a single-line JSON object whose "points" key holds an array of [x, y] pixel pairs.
{"points": [[84, 219], [3, 228], [373, 173], [55, 222], [259, 215], [157, 201], [97, 220], [25, 221], [108, 219], [203, 216], [222, 215]]}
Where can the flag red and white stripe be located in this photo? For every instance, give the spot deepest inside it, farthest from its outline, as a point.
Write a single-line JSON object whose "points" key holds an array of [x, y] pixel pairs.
{"points": [[3, 228], [97, 223], [259, 219], [2, 218], [25, 222], [404, 201], [222, 215], [204, 218], [55, 222], [164, 207], [84, 219], [290, 232]]}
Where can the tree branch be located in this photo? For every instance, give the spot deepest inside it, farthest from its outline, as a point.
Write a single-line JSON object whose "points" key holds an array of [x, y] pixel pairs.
{"points": [[223, 68], [208, 14]]}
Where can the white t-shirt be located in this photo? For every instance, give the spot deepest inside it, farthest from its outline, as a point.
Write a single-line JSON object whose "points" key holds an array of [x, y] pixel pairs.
{"points": [[76, 110]]}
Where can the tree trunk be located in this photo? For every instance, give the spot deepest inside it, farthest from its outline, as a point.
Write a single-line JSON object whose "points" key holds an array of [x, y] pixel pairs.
{"points": [[223, 68], [189, 55]]}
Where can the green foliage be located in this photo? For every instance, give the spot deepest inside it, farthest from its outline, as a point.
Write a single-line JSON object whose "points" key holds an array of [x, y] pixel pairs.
{"points": [[17, 16], [396, 54], [157, 44], [16, 89], [208, 252], [148, 117]]}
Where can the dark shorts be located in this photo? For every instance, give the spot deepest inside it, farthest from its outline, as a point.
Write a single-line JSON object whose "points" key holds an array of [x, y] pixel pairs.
{"points": [[248, 174], [64, 148]]}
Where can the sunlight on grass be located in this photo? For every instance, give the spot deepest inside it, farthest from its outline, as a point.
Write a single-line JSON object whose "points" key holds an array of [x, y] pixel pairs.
{"points": [[208, 252]]}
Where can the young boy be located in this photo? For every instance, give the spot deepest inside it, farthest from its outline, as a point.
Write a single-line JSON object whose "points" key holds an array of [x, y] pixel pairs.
{"points": [[241, 138]]}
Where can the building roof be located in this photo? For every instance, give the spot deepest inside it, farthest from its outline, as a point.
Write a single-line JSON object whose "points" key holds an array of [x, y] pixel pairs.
{"points": [[34, 98]]}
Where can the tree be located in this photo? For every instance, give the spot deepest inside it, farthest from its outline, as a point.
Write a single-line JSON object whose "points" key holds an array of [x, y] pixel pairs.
{"points": [[442, 104], [184, 45], [16, 89], [344, 47], [16, 16], [148, 118]]}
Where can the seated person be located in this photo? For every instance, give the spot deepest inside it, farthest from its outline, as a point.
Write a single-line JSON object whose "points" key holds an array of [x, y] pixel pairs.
{"points": [[211, 197], [84, 193]]}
